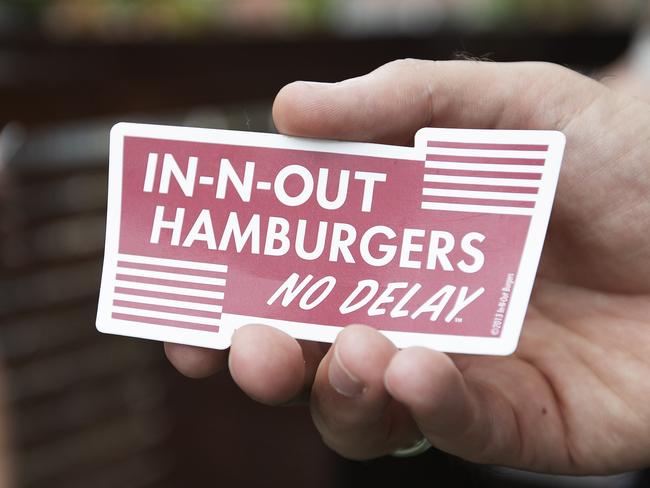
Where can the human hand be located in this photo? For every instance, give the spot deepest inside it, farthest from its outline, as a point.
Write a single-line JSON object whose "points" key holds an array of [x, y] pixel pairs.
{"points": [[575, 397]]}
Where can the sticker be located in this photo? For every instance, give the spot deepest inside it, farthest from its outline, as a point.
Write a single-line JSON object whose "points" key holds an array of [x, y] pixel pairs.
{"points": [[435, 245]]}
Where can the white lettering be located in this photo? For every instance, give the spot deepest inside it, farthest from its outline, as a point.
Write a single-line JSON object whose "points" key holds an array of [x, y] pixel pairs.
{"points": [[175, 225], [369, 179], [233, 230], [201, 231], [348, 307]]}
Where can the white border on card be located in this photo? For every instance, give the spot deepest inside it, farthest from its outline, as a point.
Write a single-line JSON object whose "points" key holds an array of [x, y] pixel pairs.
{"points": [[505, 344]]}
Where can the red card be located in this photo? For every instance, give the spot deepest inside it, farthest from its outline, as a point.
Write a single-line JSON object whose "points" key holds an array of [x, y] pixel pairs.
{"points": [[435, 245]]}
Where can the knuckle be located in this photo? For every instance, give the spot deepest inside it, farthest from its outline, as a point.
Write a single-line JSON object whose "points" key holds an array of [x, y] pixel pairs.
{"points": [[406, 64], [546, 69]]}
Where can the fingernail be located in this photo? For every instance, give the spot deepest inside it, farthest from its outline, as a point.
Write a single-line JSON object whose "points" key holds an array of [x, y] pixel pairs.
{"points": [[341, 379]]}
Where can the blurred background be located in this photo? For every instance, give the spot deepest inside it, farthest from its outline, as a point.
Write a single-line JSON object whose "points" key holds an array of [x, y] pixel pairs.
{"points": [[82, 409]]}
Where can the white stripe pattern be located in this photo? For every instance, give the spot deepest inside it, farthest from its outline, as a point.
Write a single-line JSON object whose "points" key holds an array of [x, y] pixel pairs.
{"points": [[478, 200], [204, 307], [174, 263], [139, 305], [489, 195], [162, 275], [502, 168], [166, 315], [490, 153], [475, 180], [463, 207], [169, 289]]}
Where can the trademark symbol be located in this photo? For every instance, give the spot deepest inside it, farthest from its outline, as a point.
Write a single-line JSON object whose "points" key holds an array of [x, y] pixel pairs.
{"points": [[458, 320]]}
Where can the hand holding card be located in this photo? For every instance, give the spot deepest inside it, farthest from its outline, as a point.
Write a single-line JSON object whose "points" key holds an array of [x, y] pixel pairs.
{"points": [[562, 402]]}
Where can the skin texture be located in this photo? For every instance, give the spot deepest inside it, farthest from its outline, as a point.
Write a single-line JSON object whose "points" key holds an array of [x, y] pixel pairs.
{"points": [[575, 397]]}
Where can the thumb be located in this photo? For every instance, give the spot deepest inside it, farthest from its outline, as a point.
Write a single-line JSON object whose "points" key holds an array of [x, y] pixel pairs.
{"points": [[390, 104]]}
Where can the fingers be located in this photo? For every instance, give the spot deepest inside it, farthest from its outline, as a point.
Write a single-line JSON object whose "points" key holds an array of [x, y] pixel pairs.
{"points": [[267, 364], [312, 353], [459, 418], [350, 406], [390, 104], [195, 362], [270, 366]]}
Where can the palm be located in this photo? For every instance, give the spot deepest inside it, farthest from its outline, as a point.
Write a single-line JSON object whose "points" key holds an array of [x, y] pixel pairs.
{"points": [[579, 382]]}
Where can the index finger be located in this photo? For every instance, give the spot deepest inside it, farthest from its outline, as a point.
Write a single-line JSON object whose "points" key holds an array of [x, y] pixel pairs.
{"points": [[195, 362], [390, 104]]}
